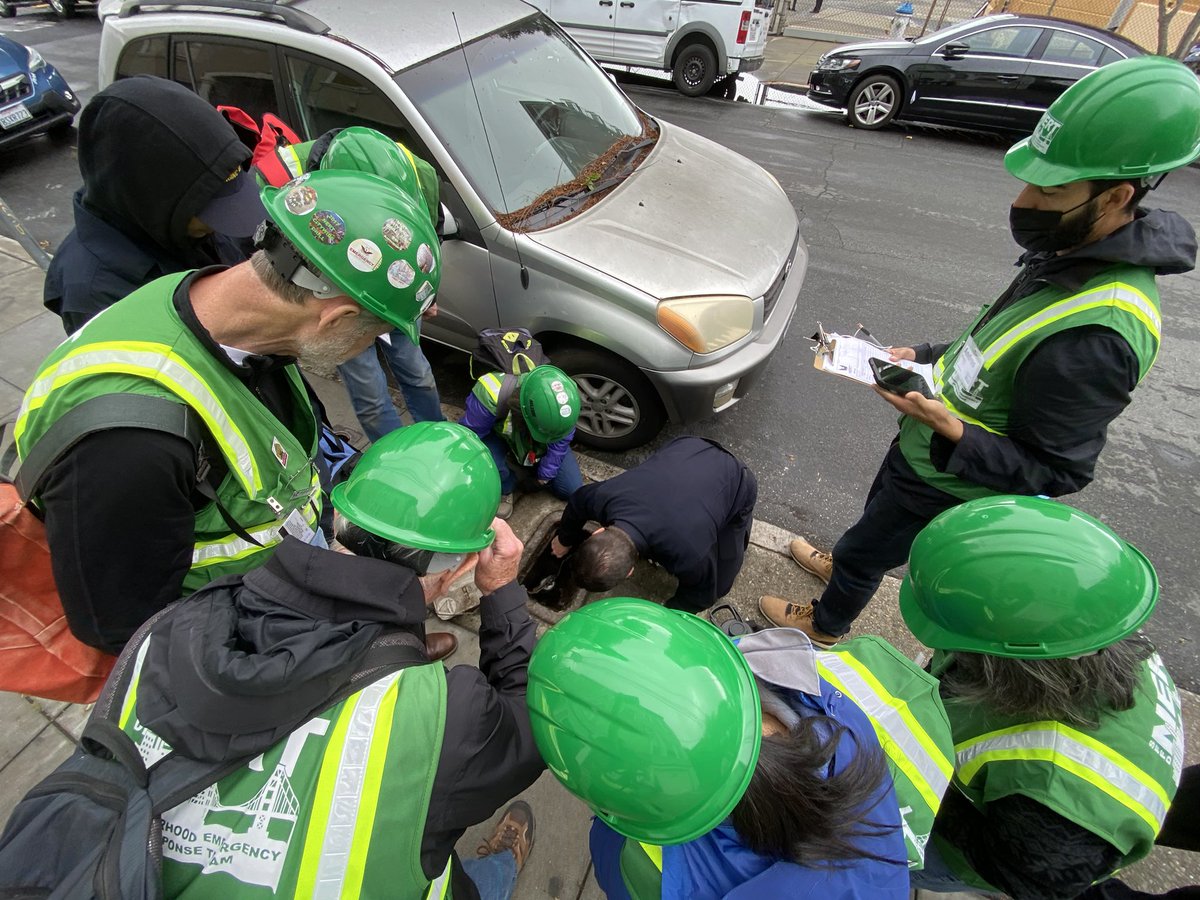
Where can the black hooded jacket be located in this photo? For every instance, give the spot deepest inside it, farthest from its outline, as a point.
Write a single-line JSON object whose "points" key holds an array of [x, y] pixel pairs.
{"points": [[152, 155], [246, 660]]}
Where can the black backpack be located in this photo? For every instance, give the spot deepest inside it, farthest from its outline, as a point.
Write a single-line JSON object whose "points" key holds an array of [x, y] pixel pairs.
{"points": [[92, 829], [512, 351]]}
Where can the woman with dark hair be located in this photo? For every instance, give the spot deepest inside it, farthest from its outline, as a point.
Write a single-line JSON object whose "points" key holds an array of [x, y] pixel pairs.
{"points": [[1067, 728], [762, 770]]}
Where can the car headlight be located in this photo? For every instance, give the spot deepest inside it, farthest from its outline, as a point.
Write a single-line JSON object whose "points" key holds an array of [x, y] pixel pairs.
{"points": [[36, 60], [705, 324], [838, 63]]}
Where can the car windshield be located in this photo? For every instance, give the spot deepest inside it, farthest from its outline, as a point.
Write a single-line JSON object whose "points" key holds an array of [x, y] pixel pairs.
{"points": [[528, 118], [950, 30]]}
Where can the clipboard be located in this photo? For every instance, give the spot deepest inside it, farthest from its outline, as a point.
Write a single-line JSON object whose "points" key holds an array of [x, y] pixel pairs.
{"points": [[847, 355]]}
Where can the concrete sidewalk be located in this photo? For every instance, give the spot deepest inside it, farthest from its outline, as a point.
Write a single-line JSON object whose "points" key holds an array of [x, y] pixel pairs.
{"points": [[40, 734]]}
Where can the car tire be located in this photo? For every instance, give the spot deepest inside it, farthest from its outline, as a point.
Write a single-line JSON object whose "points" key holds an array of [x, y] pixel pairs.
{"points": [[7, 10], [695, 70], [620, 409], [64, 9], [874, 102]]}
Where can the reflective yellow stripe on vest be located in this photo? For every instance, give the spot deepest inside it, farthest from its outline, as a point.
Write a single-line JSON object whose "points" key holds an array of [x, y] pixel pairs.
{"points": [[1121, 296], [231, 547], [491, 383], [291, 162], [1074, 752], [654, 852], [343, 816], [160, 364], [907, 744], [440, 886]]}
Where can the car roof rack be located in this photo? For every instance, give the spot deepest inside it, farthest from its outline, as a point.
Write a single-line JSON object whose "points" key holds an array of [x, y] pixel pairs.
{"points": [[269, 9]]}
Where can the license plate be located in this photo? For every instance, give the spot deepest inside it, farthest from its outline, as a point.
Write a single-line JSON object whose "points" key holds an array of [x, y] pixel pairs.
{"points": [[14, 115]]}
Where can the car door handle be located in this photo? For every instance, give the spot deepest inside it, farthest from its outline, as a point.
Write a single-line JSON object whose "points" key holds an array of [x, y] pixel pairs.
{"points": [[1007, 77], [606, 2], [626, 5]]}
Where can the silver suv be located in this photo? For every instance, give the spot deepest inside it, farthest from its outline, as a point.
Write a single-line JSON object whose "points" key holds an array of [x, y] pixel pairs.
{"points": [[658, 268]]}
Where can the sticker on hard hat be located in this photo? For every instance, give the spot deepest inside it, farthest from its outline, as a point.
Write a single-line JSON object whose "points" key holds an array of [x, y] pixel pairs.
{"points": [[364, 255], [564, 411], [556, 385], [396, 234], [562, 397], [327, 227], [1046, 129], [424, 292], [425, 259], [297, 181], [300, 201], [400, 274]]}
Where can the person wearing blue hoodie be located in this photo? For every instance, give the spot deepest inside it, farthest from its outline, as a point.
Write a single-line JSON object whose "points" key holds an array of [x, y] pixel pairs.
{"points": [[747, 771]]}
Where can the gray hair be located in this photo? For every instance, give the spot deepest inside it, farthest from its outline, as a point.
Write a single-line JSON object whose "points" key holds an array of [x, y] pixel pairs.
{"points": [[1076, 691], [276, 283]]}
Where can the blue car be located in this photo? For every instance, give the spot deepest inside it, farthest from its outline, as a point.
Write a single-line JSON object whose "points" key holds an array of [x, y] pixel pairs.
{"points": [[34, 97]]}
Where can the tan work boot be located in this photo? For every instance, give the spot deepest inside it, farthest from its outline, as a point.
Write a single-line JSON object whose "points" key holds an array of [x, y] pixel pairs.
{"points": [[506, 506], [787, 614], [513, 832], [810, 559]]}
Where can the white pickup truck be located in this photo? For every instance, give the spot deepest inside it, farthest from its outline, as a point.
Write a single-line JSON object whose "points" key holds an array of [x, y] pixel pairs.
{"points": [[697, 41]]}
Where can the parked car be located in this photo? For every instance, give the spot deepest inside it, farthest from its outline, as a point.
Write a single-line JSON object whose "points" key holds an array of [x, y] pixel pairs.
{"points": [[658, 268], [64, 9], [696, 42], [34, 97], [999, 72]]}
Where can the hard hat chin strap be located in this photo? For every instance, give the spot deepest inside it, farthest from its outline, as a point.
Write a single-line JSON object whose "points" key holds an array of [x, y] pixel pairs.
{"points": [[287, 261]]}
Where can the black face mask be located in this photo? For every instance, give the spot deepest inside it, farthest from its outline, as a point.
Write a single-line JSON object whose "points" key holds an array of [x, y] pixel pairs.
{"points": [[1043, 230]]}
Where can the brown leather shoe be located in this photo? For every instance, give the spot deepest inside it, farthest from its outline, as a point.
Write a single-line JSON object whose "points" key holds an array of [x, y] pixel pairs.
{"points": [[810, 559], [513, 832], [439, 645], [787, 614]]}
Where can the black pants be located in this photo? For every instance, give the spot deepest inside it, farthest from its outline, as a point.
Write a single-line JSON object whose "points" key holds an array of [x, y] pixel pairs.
{"points": [[876, 544]]}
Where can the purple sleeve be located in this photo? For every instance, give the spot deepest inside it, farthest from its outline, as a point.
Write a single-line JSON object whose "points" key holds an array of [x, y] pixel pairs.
{"points": [[548, 465], [477, 418]]}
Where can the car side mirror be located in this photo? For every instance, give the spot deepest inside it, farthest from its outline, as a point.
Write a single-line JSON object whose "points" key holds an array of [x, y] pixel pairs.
{"points": [[955, 51], [448, 226]]}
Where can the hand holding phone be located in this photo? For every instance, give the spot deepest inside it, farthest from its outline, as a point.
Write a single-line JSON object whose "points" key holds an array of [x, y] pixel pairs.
{"points": [[898, 380]]}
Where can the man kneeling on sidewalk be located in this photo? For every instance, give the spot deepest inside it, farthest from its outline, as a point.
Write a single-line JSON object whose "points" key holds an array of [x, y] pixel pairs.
{"points": [[391, 776]]}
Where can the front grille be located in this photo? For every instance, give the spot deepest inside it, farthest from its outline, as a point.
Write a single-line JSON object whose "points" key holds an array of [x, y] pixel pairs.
{"points": [[14, 89], [773, 292]]}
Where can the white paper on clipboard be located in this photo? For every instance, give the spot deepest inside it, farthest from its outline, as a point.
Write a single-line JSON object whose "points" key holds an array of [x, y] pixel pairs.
{"points": [[848, 356]]}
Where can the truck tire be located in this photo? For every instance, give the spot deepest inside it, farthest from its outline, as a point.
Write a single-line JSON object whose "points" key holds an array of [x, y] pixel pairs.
{"points": [[695, 70]]}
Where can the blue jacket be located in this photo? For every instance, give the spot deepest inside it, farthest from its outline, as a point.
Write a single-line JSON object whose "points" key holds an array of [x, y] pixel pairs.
{"points": [[718, 865]]}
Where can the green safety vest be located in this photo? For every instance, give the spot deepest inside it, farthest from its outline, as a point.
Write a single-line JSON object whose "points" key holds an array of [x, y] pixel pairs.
{"points": [[141, 346], [509, 425], [335, 810], [1117, 780], [904, 708], [1123, 298]]}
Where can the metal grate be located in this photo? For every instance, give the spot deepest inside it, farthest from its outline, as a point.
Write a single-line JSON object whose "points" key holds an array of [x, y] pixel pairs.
{"points": [[15, 89]]}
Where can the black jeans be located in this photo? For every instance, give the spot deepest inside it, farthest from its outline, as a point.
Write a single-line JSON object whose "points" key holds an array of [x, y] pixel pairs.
{"points": [[874, 545]]}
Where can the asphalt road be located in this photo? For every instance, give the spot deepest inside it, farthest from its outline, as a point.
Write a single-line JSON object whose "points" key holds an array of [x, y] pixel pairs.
{"points": [[907, 231]]}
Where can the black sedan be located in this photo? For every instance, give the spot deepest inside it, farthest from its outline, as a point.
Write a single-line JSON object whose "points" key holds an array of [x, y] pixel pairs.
{"points": [[999, 72]]}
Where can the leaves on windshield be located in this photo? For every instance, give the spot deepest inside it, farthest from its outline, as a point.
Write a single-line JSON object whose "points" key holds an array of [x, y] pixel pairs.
{"points": [[590, 180]]}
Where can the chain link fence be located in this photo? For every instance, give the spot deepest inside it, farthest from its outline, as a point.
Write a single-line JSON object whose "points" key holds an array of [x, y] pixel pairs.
{"points": [[874, 18]]}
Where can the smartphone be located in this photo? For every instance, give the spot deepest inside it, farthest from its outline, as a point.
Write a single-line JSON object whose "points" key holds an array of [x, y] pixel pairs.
{"points": [[897, 379]]}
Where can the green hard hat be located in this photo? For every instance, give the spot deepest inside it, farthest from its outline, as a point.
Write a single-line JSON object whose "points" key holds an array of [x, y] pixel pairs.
{"points": [[344, 232], [648, 715], [432, 485], [549, 403], [1133, 118], [361, 149], [1024, 577]]}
